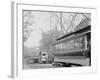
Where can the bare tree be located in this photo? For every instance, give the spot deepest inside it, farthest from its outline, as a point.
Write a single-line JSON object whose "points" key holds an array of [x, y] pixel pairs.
{"points": [[28, 20]]}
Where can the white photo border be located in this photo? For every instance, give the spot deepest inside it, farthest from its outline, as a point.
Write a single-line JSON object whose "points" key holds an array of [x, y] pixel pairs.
{"points": [[17, 61]]}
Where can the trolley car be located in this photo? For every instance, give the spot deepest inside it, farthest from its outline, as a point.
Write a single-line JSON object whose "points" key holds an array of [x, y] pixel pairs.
{"points": [[43, 57], [74, 48]]}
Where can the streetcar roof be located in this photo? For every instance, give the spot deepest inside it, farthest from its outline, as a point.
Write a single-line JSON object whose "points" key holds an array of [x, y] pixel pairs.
{"points": [[72, 35]]}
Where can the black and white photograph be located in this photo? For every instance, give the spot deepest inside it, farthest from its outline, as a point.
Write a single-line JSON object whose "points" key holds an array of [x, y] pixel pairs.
{"points": [[55, 39]]}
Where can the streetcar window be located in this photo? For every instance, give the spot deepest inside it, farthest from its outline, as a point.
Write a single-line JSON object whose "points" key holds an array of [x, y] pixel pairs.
{"points": [[44, 54]]}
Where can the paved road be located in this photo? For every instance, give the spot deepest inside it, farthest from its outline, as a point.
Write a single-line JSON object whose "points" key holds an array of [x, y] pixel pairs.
{"points": [[83, 61], [37, 66]]}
